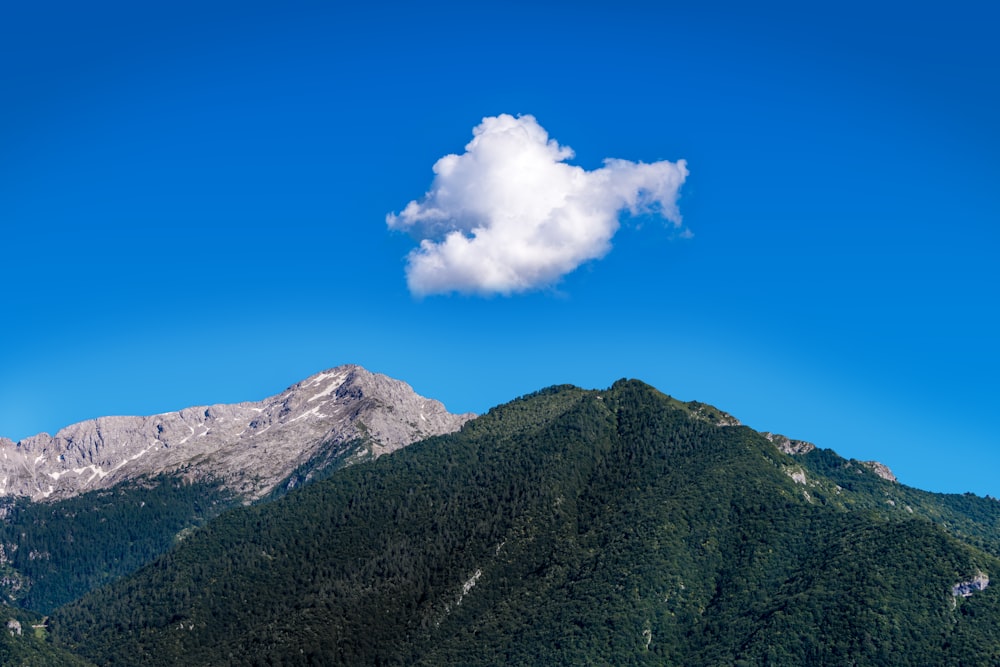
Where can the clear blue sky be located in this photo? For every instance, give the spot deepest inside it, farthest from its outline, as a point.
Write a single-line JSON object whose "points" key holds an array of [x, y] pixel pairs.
{"points": [[193, 202]]}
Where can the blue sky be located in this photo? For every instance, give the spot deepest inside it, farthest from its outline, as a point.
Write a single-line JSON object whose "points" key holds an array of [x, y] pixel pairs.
{"points": [[193, 202]]}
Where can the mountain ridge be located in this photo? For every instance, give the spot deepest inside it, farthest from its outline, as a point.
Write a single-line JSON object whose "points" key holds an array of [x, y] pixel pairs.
{"points": [[571, 526], [347, 410]]}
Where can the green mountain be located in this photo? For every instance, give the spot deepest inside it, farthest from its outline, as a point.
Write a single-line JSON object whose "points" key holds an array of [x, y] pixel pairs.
{"points": [[571, 527]]}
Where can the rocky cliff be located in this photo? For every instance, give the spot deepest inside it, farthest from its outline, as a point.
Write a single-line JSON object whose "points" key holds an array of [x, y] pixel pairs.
{"points": [[346, 412]]}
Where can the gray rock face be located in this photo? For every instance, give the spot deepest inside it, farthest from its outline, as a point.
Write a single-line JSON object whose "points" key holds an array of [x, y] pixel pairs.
{"points": [[787, 445], [251, 447], [967, 588], [796, 447], [880, 469]]}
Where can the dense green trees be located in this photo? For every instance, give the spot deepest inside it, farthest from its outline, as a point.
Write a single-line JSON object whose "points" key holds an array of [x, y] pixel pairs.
{"points": [[852, 486], [22, 642], [56, 552], [566, 528]]}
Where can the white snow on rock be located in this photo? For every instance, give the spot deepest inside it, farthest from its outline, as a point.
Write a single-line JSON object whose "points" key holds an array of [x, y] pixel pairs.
{"points": [[250, 447]]}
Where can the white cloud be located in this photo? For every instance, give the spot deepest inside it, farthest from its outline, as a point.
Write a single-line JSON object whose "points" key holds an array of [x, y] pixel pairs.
{"points": [[510, 215]]}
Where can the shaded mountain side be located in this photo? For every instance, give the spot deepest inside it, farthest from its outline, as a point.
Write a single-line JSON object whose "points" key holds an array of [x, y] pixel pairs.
{"points": [[321, 465], [52, 553], [567, 527]]}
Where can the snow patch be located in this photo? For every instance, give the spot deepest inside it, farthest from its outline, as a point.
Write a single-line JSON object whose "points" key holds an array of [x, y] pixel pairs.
{"points": [[322, 377], [312, 412], [330, 388], [188, 436], [96, 471]]}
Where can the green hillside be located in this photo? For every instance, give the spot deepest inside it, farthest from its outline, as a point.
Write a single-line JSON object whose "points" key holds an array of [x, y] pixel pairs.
{"points": [[23, 642], [54, 552], [568, 527]]}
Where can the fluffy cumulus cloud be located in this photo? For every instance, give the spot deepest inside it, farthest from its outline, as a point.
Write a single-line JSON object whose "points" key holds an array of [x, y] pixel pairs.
{"points": [[510, 215]]}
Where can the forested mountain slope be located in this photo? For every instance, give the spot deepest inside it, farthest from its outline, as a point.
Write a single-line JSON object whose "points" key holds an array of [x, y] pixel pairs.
{"points": [[54, 552], [106, 496], [569, 527], [22, 642]]}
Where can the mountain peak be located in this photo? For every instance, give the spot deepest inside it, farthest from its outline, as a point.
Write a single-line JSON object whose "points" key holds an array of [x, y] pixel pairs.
{"points": [[789, 445], [339, 413], [880, 469]]}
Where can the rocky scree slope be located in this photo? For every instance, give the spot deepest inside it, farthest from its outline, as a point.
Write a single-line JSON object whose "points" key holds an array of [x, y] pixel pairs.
{"points": [[343, 413]]}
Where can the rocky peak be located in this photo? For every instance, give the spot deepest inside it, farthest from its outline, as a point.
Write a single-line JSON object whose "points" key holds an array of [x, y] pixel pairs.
{"points": [[880, 469], [787, 445], [342, 412]]}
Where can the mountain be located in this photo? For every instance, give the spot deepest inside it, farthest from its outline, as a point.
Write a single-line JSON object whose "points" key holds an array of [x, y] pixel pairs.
{"points": [[571, 527], [104, 497], [344, 414]]}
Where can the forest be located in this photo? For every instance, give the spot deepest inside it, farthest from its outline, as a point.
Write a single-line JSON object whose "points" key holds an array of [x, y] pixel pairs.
{"points": [[52, 553]]}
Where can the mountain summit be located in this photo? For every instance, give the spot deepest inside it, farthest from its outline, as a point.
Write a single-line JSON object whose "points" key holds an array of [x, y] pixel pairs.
{"points": [[338, 416]]}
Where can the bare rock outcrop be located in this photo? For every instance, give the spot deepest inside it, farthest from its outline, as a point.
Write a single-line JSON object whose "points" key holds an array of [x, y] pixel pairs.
{"points": [[787, 445], [967, 588], [251, 447], [880, 469]]}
